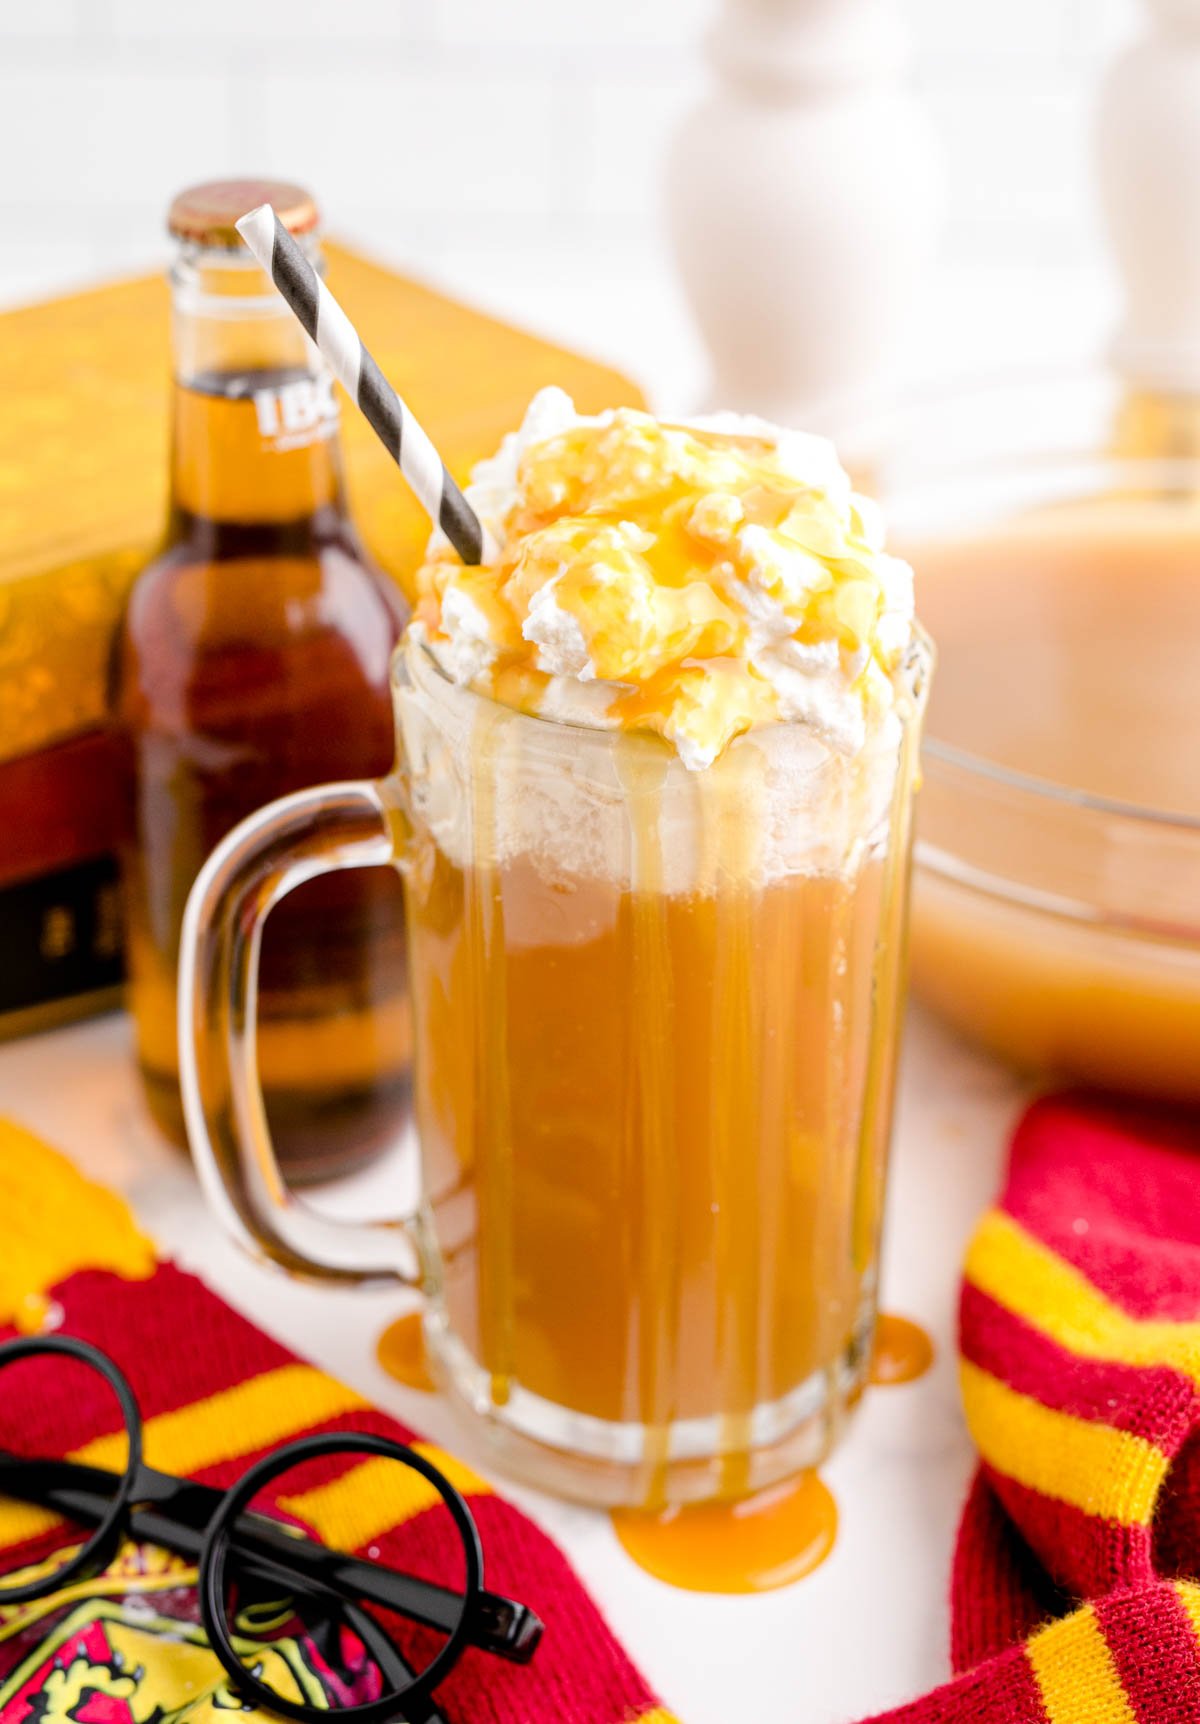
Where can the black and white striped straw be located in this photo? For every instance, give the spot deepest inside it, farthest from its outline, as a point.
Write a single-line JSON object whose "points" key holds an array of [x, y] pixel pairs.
{"points": [[403, 438]]}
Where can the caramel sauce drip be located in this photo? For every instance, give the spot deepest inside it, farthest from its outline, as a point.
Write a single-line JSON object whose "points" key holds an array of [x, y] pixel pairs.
{"points": [[401, 1352], [902, 1352]]}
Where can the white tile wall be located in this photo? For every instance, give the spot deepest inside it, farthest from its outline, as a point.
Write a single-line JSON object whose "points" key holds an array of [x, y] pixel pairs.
{"points": [[470, 135]]}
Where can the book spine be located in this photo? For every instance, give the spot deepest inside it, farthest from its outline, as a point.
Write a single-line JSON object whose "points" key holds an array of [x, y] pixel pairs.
{"points": [[60, 917], [61, 939]]}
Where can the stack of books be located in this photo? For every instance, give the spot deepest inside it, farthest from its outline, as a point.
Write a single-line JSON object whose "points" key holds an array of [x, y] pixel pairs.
{"points": [[83, 490]]}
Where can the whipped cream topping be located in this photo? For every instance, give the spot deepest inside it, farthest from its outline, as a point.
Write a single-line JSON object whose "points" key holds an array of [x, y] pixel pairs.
{"points": [[699, 579]]}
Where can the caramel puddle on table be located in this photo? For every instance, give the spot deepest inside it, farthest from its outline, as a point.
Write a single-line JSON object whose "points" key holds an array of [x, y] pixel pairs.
{"points": [[754, 1544], [401, 1352], [776, 1536], [902, 1352]]}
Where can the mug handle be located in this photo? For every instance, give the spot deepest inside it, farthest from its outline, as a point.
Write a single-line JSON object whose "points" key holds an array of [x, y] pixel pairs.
{"points": [[353, 825]]}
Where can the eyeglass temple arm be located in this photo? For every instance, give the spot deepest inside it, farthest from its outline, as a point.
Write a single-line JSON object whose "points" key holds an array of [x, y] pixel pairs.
{"points": [[393, 1667], [502, 1626]]}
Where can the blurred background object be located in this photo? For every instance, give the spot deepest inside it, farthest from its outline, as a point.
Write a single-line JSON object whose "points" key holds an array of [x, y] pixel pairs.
{"points": [[1149, 161], [513, 153], [1150, 180], [803, 199]]}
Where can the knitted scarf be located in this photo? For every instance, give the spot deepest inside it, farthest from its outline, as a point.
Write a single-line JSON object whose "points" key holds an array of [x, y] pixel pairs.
{"points": [[1074, 1596], [215, 1393]]}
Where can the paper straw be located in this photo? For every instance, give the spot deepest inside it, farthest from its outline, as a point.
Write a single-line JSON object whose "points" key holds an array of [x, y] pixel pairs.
{"points": [[403, 438]]}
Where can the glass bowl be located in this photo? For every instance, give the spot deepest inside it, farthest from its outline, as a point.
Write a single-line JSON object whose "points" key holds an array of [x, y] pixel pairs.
{"points": [[1054, 525]]}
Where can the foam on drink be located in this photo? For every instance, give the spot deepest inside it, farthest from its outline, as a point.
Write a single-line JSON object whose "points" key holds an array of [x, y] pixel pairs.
{"points": [[698, 580]]}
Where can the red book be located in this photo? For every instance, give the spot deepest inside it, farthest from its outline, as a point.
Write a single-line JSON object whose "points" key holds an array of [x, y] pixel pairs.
{"points": [[60, 924]]}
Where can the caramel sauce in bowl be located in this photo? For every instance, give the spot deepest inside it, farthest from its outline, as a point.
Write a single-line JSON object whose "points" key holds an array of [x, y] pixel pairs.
{"points": [[1055, 917]]}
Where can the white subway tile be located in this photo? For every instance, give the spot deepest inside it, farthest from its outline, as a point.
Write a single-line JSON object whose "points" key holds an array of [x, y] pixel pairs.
{"points": [[983, 33], [26, 18], [284, 24], [620, 27], [441, 128], [105, 135], [402, 141], [1098, 28]]}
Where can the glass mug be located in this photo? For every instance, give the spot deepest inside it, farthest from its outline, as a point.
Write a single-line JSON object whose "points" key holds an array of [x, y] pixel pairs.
{"points": [[656, 1021]]}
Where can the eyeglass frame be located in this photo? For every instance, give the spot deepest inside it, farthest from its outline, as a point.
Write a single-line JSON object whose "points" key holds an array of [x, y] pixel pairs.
{"points": [[144, 1500]]}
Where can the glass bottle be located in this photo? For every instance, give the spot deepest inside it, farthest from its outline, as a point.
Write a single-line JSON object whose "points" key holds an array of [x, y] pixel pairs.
{"points": [[252, 660]]}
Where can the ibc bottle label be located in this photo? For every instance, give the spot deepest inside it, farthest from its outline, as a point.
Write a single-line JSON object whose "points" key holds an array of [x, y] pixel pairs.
{"points": [[298, 412]]}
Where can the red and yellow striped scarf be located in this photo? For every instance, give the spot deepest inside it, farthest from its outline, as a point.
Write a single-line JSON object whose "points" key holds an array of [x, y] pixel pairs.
{"points": [[215, 1393], [1076, 1587], [1076, 1590]]}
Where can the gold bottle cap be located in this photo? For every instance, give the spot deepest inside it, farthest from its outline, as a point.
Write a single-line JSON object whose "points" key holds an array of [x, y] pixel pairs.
{"points": [[205, 214]]}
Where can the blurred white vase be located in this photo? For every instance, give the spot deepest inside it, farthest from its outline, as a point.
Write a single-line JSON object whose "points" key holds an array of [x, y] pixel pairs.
{"points": [[1149, 148], [803, 198]]}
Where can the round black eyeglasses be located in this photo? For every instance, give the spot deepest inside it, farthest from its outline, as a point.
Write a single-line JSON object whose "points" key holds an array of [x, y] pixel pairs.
{"points": [[216, 1528]]}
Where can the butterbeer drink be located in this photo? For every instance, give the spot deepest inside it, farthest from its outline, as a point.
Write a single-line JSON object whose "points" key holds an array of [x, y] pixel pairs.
{"points": [[657, 989], [253, 660], [656, 757]]}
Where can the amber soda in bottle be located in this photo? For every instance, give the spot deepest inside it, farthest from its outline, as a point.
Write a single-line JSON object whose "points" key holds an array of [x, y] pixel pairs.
{"points": [[253, 660]]}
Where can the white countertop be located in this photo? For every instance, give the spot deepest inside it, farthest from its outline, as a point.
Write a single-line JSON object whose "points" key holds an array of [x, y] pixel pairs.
{"points": [[899, 1479]]}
